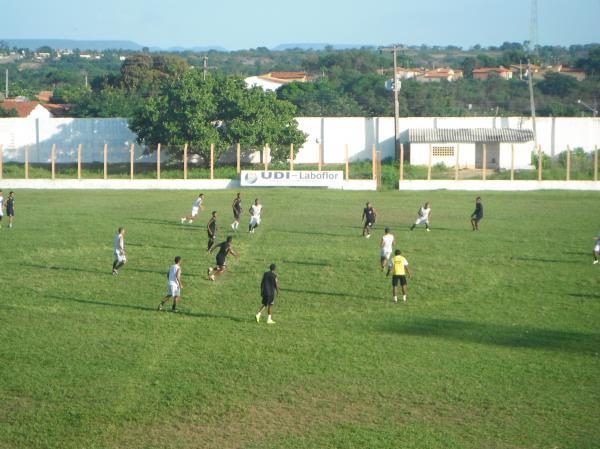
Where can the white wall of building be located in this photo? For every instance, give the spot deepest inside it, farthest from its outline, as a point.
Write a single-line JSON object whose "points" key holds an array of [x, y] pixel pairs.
{"points": [[267, 85], [359, 133]]}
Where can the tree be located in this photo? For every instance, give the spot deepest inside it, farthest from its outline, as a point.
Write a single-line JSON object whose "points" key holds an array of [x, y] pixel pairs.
{"points": [[219, 110], [557, 84]]}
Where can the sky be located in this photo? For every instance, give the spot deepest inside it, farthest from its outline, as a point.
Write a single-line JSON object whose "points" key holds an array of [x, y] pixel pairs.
{"points": [[237, 24]]}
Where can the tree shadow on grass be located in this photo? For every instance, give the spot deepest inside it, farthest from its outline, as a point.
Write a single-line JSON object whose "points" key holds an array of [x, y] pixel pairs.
{"points": [[584, 295], [335, 294], [539, 259], [174, 223], [498, 335], [59, 268], [148, 309]]}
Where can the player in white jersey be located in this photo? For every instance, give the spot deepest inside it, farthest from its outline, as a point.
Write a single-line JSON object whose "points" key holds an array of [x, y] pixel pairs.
{"points": [[387, 246], [255, 211], [197, 207], [424, 216], [120, 257], [174, 285], [597, 248], [1, 207]]}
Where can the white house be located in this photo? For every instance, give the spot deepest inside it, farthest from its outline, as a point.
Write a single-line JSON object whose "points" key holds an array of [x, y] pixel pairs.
{"points": [[274, 80], [26, 109], [467, 145]]}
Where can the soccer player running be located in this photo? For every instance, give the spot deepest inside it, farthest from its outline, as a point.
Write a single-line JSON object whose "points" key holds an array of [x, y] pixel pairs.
{"points": [[596, 248], [255, 212], [369, 215], [269, 287], [120, 257], [477, 214], [424, 215], [174, 286], [1, 207], [387, 244], [399, 266], [211, 229], [10, 208], [237, 212], [197, 207], [224, 250]]}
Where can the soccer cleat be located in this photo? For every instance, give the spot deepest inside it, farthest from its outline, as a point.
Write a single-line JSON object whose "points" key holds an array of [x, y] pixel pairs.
{"points": [[368, 236], [160, 308], [190, 221], [182, 220], [595, 262], [270, 322], [232, 227], [257, 316], [115, 272], [211, 277], [404, 298], [395, 299], [428, 230]]}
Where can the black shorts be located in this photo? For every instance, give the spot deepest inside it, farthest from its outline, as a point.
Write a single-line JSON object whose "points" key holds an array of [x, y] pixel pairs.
{"points": [[10, 212], [268, 300], [477, 218], [370, 223], [237, 214], [398, 279], [221, 260]]}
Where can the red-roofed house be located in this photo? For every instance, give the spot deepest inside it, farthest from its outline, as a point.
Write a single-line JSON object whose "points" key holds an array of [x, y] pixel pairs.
{"points": [[274, 80], [442, 74], [484, 73], [26, 109]]}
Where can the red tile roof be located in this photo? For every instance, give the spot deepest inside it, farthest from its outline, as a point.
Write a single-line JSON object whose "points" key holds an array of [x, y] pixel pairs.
{"points": [[491, 70], [23, 108]]}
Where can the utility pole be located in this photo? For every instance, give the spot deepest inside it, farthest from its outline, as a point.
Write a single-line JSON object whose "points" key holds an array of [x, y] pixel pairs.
{"points": [[532, 101], [396, 92], [6, 86], [205, 68]]}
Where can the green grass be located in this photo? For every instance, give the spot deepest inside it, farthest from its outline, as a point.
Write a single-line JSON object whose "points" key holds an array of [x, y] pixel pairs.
{"points": [[498, 346]]}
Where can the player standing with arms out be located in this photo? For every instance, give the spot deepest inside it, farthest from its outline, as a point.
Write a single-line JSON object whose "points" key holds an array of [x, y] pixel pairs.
{"points": [[1, 207], [120, 257], [399, 266], [387, 244], [197, 207], [424, 215], [237, 212], [477, 214], [255, 211], [369, 215], [597, 248], [10, 208], [174, 285], [224, 250], [269, 287], [211, 229]]}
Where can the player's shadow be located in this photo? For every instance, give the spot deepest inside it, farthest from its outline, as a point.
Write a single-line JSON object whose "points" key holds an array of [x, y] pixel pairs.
{"points": [[584, 296], [59, 268], [327, 234], [542, 260], [305, 262], [498, 335], [335, 294], [157, 246], [161, 272], [148, 309], [174, 223]]}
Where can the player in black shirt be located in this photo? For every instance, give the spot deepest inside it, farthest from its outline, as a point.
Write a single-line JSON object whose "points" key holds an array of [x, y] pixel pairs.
{"points": [[211, 229], [224, 250], [477, 215], [269, 287], [10, 208], [369, 215], [237, 212]]}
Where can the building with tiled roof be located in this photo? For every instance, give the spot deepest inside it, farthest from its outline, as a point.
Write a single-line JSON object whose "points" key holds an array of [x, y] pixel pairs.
{"points": [[484, 73], [274, 80], [26, 109], [441, 74]]}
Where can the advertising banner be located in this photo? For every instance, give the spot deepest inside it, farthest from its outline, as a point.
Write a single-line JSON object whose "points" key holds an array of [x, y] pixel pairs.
{"points": [[286, 178]]}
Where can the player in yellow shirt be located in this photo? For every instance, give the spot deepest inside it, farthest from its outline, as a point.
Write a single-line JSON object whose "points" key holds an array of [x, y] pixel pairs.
{"points": [[399, 266]]}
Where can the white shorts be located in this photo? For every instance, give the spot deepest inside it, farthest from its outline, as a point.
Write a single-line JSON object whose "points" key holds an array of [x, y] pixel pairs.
{"points": [[422, 220], [173, 289], [386, 253], [597, 248], [255, 221], [195, 211], [121, 258]]}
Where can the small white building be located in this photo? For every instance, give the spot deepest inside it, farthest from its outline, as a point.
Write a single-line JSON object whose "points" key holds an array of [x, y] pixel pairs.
{"points": [[466, 147], [274, 80]]}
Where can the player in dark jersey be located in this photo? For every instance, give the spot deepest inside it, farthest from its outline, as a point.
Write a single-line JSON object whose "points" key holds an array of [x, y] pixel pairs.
{"points": [[269, 287], [237, 212], [224, 250], [477, 215], [10, 208], [369, 215], [211, 229]]}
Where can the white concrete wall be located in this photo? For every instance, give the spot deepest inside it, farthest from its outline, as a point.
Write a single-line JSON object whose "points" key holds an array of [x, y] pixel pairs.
{"points": [[359, 133]]}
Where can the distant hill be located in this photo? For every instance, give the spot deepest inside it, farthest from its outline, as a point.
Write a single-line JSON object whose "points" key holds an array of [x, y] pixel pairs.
{"points": [[34, 44], [320, 46]]}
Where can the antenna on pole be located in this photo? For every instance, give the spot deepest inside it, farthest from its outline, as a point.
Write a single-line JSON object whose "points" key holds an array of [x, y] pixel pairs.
{"points": [[533, 28]]}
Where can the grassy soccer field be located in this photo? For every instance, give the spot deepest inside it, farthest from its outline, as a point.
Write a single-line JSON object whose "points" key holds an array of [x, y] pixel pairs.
{"points": [[498, 346]]}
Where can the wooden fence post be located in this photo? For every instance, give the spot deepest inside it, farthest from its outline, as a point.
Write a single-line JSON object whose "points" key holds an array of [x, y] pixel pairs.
{"points": [[238, 152], [347, 164], [291, 156], [595, 162], [378, 154], [320, 156], [1, 161], [429, 163], [457, 163], [158, 161], [266, 156], [131, 160], [484, 161], [27, 162], [53, 160], [568, 162], [540, 158], [212, 161], [185, 151], [79, 161], [105, 161], [512, 162], [374, 159], [401, 162]]}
